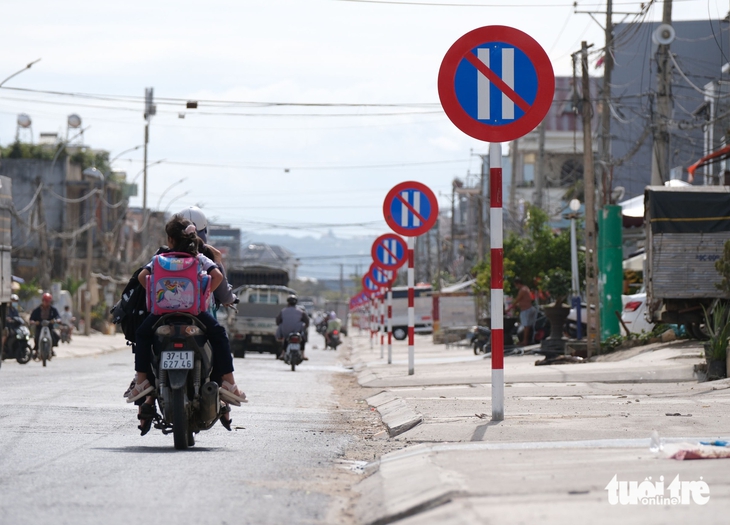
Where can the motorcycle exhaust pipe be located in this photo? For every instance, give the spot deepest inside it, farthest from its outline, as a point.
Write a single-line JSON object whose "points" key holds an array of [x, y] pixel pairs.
{"points": [[209, 401]]}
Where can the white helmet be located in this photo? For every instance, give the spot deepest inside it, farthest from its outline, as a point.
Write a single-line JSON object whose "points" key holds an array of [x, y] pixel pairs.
{"points": [[197, 217]]}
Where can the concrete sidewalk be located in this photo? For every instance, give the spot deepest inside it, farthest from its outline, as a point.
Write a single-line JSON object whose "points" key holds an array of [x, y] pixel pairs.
{"points": [[94, 344], [568, 430]]}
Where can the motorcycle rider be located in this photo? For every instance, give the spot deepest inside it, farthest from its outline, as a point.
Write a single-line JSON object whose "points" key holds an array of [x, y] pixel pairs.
{"points": [[11, 317], [333, 323], [67, 320], [223, 295], [181, 237], [291, 319], [45, 312]]}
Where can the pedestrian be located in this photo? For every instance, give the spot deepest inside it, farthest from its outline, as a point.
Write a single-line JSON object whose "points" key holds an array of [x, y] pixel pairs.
{"points": [[528, 312]]}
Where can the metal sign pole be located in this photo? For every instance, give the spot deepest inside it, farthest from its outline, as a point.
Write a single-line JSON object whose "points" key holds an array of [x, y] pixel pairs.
{"points": [[411, 307], [497, 285], [390, 326]]}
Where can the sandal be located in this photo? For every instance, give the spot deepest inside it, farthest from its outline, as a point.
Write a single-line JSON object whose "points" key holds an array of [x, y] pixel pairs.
{"points": [[139, 391], [147, 414], [225, 418], [231, 394], [131, 386]]}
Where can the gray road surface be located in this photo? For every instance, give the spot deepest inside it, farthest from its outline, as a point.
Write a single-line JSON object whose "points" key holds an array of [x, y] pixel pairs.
{"points": [[70, 451]]}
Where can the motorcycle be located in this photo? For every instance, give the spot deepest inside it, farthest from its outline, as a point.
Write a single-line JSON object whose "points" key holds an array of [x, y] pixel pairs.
{"points": [[293, 352], [45, 342], [66, 333], [17, 344], [481, 336], [333, 341], [182, 361]]}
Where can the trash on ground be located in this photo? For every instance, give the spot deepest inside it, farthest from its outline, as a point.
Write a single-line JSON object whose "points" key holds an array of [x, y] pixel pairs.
{"points": [[677, 414], [682, 451], [560, 360], [481, 416]]}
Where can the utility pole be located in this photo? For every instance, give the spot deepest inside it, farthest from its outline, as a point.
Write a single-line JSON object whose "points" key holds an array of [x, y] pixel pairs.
{"points": [[342, 281], [605, 144], [589, 179], [660, 152], [89, 259], [540, 172], [43, 266], [149, 110]]}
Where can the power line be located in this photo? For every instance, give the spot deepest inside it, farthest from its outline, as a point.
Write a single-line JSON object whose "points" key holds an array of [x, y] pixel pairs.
{"points": [[305, 168]]}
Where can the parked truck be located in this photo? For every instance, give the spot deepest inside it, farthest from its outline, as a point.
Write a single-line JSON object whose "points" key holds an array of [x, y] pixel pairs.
{"points": [[686, 230], [262, 293]]}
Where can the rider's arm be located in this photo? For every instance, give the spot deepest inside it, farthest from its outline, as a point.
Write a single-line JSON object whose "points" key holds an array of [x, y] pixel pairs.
{"points": [[216, 278], [142, 278]]}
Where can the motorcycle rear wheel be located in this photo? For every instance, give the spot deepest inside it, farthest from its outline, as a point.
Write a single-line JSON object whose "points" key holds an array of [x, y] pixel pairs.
{"points": [[179, 419]]}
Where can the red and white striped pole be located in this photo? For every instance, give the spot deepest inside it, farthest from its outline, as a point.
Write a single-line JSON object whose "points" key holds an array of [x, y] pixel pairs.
{"points": [[411, 306], [382, 325], [390, 325], [497, 284], [370, 320]]}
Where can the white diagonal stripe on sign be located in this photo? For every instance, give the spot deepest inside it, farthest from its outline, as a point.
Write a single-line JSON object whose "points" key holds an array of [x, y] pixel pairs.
{"points": [[508, 76], [483, 86]]}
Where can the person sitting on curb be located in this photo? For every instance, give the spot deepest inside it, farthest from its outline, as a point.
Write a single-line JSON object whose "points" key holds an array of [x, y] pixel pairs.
{"points": [[528, 312]]}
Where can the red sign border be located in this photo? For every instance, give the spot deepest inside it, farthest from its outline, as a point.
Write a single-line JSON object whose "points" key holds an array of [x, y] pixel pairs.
{"points": [[543, 98], [381, 239], [367, 291], [427, 225], [390, 281]]}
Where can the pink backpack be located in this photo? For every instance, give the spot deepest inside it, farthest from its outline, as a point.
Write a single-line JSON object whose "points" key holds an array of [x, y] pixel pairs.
{"points": [[177, 283]]}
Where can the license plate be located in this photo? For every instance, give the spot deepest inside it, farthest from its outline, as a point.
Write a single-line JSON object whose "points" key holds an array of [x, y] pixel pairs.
{"points": [[180, 360], [256, 339], [294, 346]]}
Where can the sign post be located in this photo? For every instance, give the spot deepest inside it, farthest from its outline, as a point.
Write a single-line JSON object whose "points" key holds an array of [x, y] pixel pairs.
{"points": [[410, 209], [390, 252], [496, 84]]}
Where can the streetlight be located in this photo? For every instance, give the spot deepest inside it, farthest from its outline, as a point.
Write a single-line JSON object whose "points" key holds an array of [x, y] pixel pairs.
{"points": [[574, 207], [143, 169], [159, 202], [96, 174], [177, 197], [125, 151], [19, 72]]}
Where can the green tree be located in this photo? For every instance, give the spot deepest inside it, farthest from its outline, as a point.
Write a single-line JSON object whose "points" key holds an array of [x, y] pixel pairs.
{"points": [[532, 255]]}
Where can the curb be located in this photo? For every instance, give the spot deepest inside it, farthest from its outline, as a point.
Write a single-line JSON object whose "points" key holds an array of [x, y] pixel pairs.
{"points": [[395, 413], [397, 500]]}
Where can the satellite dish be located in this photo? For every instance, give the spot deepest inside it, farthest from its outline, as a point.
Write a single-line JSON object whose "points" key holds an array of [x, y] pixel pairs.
{"points": [[663, 35], [74, 121], [24, 121]]}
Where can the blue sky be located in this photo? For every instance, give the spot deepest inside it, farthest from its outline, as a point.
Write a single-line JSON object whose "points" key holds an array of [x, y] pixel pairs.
{"points": [[299, 169]]}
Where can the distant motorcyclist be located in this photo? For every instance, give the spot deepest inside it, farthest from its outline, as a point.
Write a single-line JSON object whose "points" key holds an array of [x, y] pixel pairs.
{"points": [[333, 323], [45, 312], [12, 316], [291, 319], [67, 323]]}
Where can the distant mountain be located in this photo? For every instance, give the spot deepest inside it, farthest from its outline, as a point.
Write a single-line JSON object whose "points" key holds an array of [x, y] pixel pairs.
{"points": [[321, 257]]}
